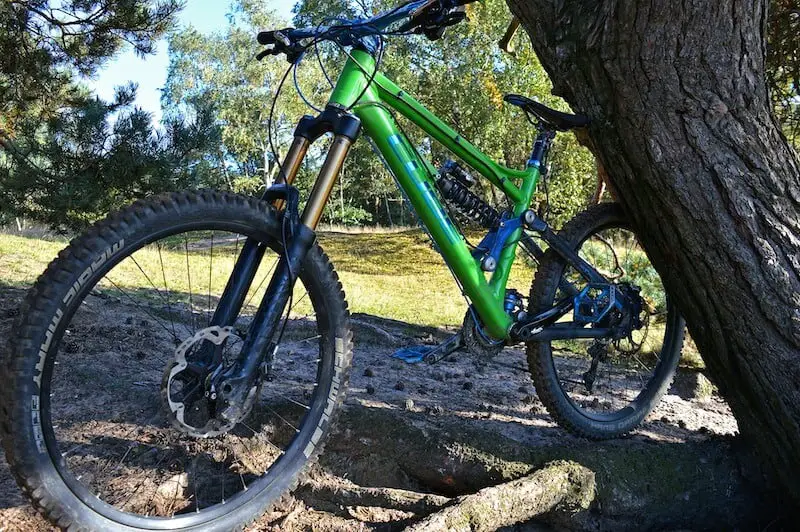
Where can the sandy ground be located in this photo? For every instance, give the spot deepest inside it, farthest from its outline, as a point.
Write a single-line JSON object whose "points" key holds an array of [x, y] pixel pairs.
{"points": [[461, 388]]}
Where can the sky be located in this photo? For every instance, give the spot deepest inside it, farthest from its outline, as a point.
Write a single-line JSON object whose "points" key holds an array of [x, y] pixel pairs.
{"points": [[151, 72]]}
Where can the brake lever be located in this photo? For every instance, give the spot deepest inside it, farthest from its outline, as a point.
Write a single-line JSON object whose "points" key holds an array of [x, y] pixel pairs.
{"points": [[281, 38], [264, 53], [505, 42]]}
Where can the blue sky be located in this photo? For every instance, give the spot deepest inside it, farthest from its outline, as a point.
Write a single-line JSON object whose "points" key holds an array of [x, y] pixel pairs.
{"points": [[151, 72]]}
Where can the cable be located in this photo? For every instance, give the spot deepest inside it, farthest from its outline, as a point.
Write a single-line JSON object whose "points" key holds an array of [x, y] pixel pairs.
{"points": [[272, 116], [291, 294], [546, 213], [442, 201], [299, 90], [378, 61]]}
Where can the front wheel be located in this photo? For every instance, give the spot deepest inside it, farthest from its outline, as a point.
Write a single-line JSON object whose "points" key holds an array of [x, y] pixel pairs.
{"points": [[102, 431], [601, 388]]}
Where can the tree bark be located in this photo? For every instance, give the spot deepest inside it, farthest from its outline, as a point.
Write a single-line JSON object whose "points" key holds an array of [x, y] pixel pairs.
{"points": [[681, 121]]}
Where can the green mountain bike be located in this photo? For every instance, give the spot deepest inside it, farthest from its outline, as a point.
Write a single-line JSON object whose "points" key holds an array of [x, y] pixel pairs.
{"points": [[179, 365]]}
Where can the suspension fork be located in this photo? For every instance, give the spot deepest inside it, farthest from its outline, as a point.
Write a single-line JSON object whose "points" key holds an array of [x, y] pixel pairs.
{"points": [[252, 252], [298, 234]]}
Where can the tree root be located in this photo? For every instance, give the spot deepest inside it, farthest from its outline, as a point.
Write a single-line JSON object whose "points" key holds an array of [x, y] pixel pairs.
{"points": [[640, 484], [327, 488], [565, 487]]}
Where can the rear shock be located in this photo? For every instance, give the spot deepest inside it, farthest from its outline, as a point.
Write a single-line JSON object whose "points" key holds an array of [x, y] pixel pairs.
{"points": [[454, 184]]}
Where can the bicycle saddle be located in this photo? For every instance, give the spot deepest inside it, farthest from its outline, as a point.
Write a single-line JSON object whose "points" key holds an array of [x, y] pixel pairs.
{"points": [[556, 119]]}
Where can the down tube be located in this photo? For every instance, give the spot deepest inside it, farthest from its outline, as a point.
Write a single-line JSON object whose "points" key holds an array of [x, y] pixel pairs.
{"points": [[413, 177]]}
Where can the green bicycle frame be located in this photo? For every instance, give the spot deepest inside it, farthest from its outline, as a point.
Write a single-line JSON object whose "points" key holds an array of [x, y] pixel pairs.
{"points": [[416, 177]]}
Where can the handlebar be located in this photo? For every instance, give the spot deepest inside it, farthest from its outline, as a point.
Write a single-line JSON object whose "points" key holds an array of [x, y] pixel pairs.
{"points": [[353, 30]]}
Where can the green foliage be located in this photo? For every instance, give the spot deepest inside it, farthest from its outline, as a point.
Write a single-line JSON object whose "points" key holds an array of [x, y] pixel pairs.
{"points": [[783, 65], [77, 166], [42, 43], [220, 69], [461, 78], [60, 160]]}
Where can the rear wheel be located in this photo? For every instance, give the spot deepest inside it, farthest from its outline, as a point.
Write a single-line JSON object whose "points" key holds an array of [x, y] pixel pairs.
{"points": [[601, 388], [112, 338]]}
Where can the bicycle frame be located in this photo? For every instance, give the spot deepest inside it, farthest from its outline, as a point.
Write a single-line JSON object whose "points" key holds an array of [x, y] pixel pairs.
{"points": [[416, 176], [365, 98]]}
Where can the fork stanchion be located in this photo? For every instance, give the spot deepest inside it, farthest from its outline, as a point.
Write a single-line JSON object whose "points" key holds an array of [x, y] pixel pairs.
{"points": [[325, 181], [291, 165]]}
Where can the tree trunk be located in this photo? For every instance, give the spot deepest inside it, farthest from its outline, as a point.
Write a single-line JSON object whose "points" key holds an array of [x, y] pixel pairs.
{"points": [[681, 121]]}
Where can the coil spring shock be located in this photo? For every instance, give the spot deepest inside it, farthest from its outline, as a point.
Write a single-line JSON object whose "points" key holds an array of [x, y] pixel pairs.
{"points": [[454, 183]]}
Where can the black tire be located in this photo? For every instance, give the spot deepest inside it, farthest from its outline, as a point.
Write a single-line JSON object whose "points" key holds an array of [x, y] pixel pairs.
{"points": [[28, 432], [568, 412]]}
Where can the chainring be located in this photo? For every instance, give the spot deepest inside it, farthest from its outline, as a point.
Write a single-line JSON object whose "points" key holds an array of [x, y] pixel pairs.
{"points": [[476, 341]]}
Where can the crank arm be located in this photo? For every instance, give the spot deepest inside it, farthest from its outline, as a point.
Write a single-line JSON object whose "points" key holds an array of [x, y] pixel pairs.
{"points": [[445, 349], [569, 331]]}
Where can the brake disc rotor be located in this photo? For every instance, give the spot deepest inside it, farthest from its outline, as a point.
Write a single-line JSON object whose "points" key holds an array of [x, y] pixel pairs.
{"points": [[190, 407]]}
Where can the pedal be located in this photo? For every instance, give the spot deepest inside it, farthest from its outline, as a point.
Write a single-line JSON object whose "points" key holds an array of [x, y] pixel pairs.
{"points": [[430, 354]]}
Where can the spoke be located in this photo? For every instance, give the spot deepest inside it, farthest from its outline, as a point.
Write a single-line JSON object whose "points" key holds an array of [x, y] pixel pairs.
{"points": [[189, 279], [238, 461], [175, 497], [158, 292], [280, 451], [140, 484], [299, 300], [307, 339], [164, 277], [221, 475], [296, 402], [263, 279], [210, 274], [311, 314], [282, 418], [137, 305], [194, 484]]}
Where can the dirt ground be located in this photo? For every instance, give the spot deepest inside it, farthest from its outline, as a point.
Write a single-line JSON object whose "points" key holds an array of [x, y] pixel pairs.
{"points": [[459, 394]]}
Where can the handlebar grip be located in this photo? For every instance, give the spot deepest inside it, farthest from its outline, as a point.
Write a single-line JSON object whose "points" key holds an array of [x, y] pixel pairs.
{"points": [[268, 37]]}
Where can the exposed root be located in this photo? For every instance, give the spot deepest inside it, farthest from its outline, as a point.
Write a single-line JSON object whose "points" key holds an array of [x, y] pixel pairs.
{"points": [[564, 487]]}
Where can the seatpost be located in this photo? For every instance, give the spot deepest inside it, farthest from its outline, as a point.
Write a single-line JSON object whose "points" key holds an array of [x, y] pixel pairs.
{"points": [[541, 149]]}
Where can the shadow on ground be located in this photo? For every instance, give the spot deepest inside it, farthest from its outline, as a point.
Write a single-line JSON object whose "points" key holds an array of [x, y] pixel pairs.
{"points": [[412, 436]]}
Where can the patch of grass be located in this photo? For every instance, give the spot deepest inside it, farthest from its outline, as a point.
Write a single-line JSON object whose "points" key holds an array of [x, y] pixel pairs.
{"points": [[392, 275], [395, 275]]}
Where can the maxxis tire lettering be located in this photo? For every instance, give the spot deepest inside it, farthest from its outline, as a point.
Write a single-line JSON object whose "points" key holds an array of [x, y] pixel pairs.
{"points": [[51, 330], [333, 397]]}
